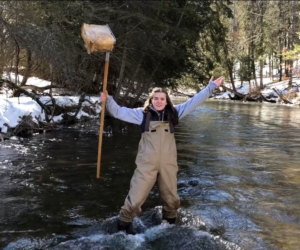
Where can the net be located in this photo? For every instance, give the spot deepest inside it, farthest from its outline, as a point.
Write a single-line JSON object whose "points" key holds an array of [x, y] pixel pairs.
{"points": [[97, 38]]}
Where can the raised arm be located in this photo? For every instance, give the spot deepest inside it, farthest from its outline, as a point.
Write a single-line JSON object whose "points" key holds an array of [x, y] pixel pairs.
{"points": [[125, 114], [188, 106]]}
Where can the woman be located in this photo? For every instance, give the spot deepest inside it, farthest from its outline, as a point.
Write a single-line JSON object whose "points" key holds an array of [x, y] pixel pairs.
{"points": [[157, 155]]}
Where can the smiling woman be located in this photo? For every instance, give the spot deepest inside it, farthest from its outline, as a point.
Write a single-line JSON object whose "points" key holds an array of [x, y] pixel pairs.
{"points": [[157, 155], [159, 101]]}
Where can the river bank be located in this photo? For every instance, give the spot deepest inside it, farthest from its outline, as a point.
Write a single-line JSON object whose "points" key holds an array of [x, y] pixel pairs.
{"points": [[23, 115]]}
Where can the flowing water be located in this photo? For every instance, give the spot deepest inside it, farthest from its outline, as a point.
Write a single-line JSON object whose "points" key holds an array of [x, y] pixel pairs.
{"points": [[239, 173]]}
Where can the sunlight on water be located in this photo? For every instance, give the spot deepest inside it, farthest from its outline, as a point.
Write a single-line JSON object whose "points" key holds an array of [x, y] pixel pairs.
{"points": [[255, 145]]}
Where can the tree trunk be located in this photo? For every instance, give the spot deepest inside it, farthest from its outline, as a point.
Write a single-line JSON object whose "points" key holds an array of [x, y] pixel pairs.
{"points": [[181, 16], [271, 67], [17, 61], [252, 62], [230, 71], [122, 70], [261, 42], [291, 42], [280, 44], [28, 68], [261, 66]]}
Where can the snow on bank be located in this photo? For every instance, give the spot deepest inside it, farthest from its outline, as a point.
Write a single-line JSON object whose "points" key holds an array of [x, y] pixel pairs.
{"points": [[12, 109], [268, 91]]}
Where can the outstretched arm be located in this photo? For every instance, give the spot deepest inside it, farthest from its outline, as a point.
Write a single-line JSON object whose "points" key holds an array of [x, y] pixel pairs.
{"points": [[188, 106], [125, 114]]}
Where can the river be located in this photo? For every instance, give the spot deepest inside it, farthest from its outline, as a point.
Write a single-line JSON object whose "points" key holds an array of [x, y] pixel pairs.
{"points": [[239, 173]]}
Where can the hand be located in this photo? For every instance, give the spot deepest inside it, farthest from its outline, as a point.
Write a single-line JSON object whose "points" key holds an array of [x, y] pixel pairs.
{"points": [[218, 81], [103, 96]]}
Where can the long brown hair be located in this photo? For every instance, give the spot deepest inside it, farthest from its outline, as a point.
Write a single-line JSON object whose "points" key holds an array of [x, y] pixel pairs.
{"points": [[172, 112]]}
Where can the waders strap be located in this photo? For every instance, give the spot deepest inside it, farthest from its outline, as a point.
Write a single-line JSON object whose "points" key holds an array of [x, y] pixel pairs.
{"points": [[147, 121], [171, 127]]}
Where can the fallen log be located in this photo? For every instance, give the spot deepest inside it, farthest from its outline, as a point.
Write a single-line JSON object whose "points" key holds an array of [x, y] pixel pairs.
{"points": [[238, 95], [266, 99], [282, 97]]}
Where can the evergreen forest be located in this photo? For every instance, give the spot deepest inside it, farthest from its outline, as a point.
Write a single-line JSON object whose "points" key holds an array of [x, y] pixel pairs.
{"points": [[167, 43]]}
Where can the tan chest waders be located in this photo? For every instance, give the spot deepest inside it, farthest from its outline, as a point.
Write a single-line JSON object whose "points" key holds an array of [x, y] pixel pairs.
{"points": [[156, 161]]}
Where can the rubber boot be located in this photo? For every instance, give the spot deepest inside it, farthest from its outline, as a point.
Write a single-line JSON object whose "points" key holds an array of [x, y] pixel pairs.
{"points": [[125, 226], [170, 220]]}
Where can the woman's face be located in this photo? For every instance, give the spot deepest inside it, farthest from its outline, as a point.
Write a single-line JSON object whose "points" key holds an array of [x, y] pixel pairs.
{"points": [[159, 101]]}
